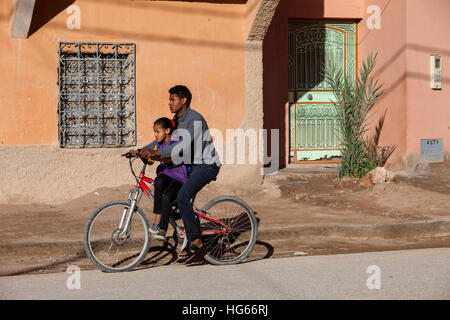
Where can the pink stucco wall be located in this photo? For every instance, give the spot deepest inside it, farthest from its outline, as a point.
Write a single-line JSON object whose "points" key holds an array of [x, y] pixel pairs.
{"points": [[411, 30], [390, 44], [428, 111]]}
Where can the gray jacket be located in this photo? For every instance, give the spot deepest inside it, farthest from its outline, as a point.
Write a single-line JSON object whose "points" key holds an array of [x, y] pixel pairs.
{"points": [[197, 131]]}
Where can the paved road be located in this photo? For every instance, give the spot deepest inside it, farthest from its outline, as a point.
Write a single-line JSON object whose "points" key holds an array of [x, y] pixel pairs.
{"points": [[411, 274]]}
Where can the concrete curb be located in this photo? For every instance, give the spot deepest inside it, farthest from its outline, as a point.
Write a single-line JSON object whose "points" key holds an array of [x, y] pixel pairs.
{"points": [[424, 230]]}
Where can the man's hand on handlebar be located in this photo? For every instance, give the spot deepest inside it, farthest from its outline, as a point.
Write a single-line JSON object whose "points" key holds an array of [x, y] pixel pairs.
{"points": [[145, 154], [148, 156]]}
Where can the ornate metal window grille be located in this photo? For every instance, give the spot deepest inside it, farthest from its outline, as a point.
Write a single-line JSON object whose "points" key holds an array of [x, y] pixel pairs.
{"points": [[97, 94]]}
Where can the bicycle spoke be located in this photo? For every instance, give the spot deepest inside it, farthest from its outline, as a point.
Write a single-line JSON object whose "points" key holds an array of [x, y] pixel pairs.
{"points": [[234, 246], [105, 245]]}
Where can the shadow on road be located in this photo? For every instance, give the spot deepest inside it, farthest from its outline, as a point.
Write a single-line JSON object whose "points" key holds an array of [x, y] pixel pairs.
{"points": [[160, 255], [46, 267]]}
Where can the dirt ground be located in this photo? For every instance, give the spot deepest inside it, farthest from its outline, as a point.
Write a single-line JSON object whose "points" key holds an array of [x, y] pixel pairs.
{"points": [[48, 238], [411, 196]]}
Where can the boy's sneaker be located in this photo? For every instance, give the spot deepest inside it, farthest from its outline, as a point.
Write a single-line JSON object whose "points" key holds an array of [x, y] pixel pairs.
{"points": [[154, 228], [160, 236], [181, 233]]}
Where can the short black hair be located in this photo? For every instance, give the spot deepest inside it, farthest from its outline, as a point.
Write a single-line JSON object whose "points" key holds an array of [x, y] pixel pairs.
{"points": [[182, 92]]}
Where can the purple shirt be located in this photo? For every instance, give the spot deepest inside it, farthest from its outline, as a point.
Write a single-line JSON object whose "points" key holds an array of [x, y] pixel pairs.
{"points": [[178, 172]]}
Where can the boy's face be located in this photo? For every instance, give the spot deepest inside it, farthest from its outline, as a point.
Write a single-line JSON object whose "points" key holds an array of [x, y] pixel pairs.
{"points": [[160, 133], [175, 103]]}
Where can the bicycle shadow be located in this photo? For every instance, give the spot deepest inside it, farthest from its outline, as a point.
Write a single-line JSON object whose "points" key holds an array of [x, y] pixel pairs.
{"points": [[261, 251], [167, 253], [161, 255], [240, 224]]}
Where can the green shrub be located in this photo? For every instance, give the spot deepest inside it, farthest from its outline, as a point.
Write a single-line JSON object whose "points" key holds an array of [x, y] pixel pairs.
{"points": [[354, 103]]}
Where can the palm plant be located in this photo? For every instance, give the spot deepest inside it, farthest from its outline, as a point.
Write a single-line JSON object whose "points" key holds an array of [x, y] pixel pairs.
{"points": [[379, 154], [353, 104]]}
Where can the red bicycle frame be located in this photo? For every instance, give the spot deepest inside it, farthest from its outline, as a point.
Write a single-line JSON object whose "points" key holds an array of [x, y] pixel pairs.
{"points": [[144, 187], [142, 184]]}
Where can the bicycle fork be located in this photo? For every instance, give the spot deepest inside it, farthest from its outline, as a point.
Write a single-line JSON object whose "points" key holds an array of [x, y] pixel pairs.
{"points": [[127, 218]]}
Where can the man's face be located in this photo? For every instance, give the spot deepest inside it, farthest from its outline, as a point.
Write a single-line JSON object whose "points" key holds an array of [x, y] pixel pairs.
{"points": [[175, 103]]}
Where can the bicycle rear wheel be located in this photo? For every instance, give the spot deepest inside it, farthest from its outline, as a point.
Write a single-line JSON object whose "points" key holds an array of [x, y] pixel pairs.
{"points": [[104, 244], [234, 246]]}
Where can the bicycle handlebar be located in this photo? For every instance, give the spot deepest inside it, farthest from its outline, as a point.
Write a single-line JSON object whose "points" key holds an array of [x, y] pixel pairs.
{"points": [[131, 158], [128, 155]]}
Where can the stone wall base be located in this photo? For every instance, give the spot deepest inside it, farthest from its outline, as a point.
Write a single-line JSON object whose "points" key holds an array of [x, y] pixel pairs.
{"points": [[411, 162], [49, 174]]}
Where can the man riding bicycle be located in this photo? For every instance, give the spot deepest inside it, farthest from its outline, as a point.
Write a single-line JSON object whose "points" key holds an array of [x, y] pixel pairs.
{"points": [[198, 153]]}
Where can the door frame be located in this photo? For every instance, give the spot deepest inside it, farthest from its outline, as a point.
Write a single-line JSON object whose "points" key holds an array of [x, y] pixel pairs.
{"points": [[294, 160]]}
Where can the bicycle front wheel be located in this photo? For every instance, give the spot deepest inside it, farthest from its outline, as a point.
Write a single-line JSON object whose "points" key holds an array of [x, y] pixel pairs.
{"points": [[105, 243], [233, 246]]}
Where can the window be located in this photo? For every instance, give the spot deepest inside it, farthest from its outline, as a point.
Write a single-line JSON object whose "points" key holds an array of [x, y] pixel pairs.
{"points": [[97, 94]]}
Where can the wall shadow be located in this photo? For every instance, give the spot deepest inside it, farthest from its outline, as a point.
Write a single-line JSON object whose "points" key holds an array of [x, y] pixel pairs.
{"points": [[210, 1], [46, 10], [48, 266], [172, 39], [276, 69], [167, 6]]}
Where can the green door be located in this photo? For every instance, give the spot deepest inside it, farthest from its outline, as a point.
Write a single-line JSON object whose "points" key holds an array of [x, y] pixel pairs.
{"points": [[312, 121]]}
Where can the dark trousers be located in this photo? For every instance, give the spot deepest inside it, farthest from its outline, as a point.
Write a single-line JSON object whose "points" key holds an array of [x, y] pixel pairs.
{"points": [[201, 175], [166, 190]]}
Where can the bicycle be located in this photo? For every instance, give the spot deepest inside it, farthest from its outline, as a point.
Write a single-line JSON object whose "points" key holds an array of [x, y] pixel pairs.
{"points": [[117, 237]]}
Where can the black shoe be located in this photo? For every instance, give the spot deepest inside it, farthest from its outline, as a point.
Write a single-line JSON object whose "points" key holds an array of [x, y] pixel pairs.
{"points": [[192, 250]]}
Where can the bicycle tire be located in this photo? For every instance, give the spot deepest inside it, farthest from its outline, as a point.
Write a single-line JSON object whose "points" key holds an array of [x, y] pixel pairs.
{"points": [[108, 237], [246, 222]]}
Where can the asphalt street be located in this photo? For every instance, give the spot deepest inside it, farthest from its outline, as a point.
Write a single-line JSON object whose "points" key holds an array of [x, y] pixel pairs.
{"points": [[408, 274]]}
